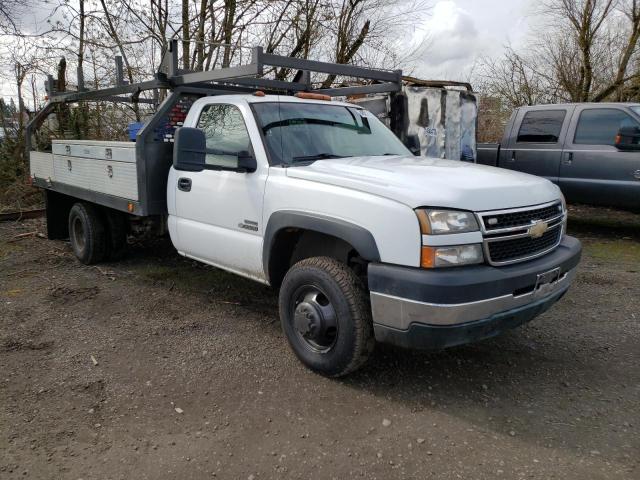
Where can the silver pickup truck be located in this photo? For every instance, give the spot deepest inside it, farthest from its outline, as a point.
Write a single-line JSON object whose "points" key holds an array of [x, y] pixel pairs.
{"points": [[590, 150]]}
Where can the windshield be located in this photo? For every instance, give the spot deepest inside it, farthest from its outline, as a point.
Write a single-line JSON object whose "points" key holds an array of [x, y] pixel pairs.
{"points": [[636, 110], [305, 132]]}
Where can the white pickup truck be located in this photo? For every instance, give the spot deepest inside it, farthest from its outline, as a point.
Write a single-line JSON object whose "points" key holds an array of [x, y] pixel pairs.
{"points": [[366, 242]]}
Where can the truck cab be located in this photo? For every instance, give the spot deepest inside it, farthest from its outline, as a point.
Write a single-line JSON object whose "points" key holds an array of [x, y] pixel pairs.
{"points": [[574, 146], [449, 252]]}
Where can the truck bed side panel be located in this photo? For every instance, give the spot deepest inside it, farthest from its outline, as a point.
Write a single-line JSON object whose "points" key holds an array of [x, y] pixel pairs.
{"points": [[72, 171], [41, 165], [116, 178]]}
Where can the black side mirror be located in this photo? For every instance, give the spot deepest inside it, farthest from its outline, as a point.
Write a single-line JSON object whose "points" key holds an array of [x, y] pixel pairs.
{"points": [[247, 162], [628, 139], [412, 142], [189, 149]]}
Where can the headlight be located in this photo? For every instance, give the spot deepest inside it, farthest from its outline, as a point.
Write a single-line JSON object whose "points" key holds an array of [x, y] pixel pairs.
{"points": [[436, 222], [451, 256]]}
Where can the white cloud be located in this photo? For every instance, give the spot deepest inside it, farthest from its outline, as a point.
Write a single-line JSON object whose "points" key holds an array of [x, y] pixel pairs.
{"points": [[459, 32], [450, 40]]}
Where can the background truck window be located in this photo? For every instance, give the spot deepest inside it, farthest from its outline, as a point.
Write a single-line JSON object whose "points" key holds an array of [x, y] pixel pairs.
{"points": [[600, 126], [226, 135], [541, 126]]}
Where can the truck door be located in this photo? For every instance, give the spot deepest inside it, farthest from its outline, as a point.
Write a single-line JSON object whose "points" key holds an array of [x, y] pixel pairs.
{"points": [[219, 210], [593, 170], [535, 144]]}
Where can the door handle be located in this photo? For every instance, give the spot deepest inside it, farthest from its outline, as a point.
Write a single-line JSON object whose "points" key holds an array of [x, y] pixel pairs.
{"points": [[636, 174], [184, 184], [568, 158]]}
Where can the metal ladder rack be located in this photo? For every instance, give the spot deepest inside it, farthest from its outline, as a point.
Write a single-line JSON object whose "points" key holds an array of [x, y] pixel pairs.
{"points": [[238, 79]]}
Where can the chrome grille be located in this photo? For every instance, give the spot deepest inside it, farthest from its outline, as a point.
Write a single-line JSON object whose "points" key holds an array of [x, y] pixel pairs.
{"points": [[521, 217], [508, 238], [518, 248]]}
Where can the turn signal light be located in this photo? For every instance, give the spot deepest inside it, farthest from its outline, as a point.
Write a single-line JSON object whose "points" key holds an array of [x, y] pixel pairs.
{"points": [[428, 257], [130, 207]]}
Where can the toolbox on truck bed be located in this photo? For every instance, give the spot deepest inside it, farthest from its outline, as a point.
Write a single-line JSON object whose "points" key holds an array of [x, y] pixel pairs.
{"points": [[126, 176], [105, 167]]}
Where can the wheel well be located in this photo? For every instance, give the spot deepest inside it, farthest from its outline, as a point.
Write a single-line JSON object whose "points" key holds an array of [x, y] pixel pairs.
{"points": [[290, 245], [58, 206]]}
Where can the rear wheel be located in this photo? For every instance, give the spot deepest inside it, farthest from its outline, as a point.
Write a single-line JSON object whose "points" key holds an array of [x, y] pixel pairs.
{"points": [[326, 317], [87, 233]]}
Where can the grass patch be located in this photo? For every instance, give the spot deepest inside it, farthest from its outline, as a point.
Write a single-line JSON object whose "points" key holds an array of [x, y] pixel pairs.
{"points": [[603, 222], [619, 251], [6, 248], [18, 197]]}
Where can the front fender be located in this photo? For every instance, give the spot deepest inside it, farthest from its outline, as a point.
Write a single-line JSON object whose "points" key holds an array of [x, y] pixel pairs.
{"points": [[358, 237]]}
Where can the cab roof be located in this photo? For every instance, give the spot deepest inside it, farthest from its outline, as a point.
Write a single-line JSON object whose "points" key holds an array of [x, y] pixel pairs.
{"points": [[251, 98], [551, 106]]}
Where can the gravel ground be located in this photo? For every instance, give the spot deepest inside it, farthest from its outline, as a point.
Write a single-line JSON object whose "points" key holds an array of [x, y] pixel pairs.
{"points": [[159, 368]]}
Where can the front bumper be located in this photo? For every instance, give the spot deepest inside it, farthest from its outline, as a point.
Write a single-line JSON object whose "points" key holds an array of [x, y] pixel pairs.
{"points": [[435, 309]]}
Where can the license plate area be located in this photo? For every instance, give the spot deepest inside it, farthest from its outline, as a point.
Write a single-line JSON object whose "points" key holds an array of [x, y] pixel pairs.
{"points": [[546, 282]]}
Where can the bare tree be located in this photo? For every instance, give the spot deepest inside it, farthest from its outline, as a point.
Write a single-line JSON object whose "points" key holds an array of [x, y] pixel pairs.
{"points": [[586, 19], [631, 10], [587, 52], [516, 80], [10, 10]]}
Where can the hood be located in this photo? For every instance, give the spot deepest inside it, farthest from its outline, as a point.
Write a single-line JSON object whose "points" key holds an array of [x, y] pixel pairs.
{"points": [[420, 181]]}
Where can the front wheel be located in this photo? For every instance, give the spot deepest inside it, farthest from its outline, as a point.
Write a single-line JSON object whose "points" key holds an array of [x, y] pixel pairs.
{"points": [[326, 317]]}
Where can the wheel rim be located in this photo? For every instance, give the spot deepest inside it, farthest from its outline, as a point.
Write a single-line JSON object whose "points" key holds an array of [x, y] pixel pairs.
{"points": [[77, 230], [314, 319]]}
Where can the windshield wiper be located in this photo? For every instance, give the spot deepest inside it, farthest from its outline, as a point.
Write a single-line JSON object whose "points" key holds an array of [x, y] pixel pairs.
{"points": [[317, 156]]}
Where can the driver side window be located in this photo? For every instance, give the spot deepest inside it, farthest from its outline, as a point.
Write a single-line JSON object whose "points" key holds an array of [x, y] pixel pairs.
{"points": [[226, 135]]}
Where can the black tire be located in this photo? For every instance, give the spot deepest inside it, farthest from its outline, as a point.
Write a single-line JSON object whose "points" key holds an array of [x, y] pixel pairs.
{"points": [[310, 291], [87, 233], [117, 229]]}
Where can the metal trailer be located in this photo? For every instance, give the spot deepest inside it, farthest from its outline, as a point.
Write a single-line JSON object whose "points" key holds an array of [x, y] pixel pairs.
{"points": [[434, 118], [132, 177]]}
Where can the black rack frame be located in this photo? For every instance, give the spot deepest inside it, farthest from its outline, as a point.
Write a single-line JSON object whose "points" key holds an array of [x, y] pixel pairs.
{"points": [[237, 79]]}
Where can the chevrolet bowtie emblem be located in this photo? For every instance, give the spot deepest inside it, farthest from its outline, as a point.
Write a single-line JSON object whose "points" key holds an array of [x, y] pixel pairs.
{"points": [[537, 229]]}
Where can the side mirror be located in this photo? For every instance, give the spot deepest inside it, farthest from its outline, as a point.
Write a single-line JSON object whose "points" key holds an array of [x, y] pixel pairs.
{"points": [[412, 142], [189, 149], [246, 162], [628, 139]]}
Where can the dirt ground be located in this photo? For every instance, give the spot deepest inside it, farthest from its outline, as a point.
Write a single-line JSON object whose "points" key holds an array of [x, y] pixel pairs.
{"points": [[158, 368]]}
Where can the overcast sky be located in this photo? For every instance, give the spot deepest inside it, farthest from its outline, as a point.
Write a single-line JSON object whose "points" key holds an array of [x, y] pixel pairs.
{"points": [[454, 36], [460, 31]]}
